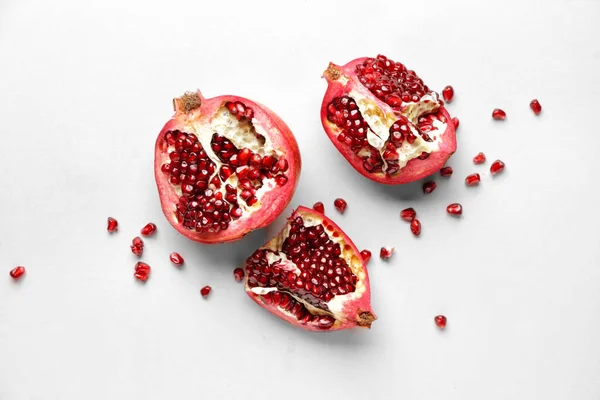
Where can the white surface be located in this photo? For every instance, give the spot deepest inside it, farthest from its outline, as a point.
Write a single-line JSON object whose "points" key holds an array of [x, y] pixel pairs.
{"points": [[85, 88]]}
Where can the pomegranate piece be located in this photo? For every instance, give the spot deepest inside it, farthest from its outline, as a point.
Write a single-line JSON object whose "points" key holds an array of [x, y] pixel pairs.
{"points": [[385, 121], [408, 214], [479, 158], [137, 246], [366, 256], [454, 209], [142, 271], [311, 275], [498, 114], [17, 272], [429, 187], [176, 258], [535, 106], [497, 167], [440, 321], [224, 167], [415, 227], [473, 179], [340, 205], [386, 252], [112, 225], [448, 93], [205, 291], [239, 274], [446, 172], [149, 229], [455, 122], [318, 206]]}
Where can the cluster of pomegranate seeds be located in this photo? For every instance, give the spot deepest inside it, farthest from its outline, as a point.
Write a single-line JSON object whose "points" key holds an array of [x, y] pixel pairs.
{"points": [[446, 172], [535, 106], [408, 214], [238, 274], [498, 114], [17, 272], [176, 258], [454, 209], [479, 158], [137, 246], [429, 187], [448, 93], [113, 225], [386, 252], [142, 271], [205, 291], [288, 303], [473, 179], [366, 256], [440, 321], [340, 205], [240, 110], [456, 122], [318, 206], [415, 227], [149, 229], [497, 167]]}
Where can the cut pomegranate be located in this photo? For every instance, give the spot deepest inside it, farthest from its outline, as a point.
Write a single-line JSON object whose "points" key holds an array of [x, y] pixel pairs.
{"points": [[311, 275], [224, 167], [446, 172], [455, 122], [472, 179], [497, 167], [137, 246], [142, 271], [176, 258], [498, 114], [448, 93], [318, 206], [386, 252], [440, 321], [535, 106], [479, 158], [149, 229], [385, 121], [17, 272], [205, 291], [366, 256], [340, 205], [408, 214], [238, 274], [113, 225], [454, 209], [415, 227], [429, 187]]}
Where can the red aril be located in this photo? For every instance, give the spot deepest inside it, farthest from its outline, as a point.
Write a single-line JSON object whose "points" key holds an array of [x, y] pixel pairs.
{"points": [[440, 321], [498, 114], [205, 291], [479, 158], [415, 227], [366, 256], [385, 121], [137, 246], [238, 274], [149, 229], [340, 205], [318, 206], [408, 214], [429, 187], [17, 272], [176, 258], [311, 275], [386, 252], [142, 271], [112, 225], [455, 122], [224, 167], [454, 209], [535, 106], [497, 167], [472, 179], [448, 93], [446, 172]]}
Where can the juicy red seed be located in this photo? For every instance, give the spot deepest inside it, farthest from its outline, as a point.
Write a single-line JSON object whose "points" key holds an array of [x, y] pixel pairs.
{"points": [[17, 272], [429, 187], [113, 225], [448, 93], [473, 179], [386, 252], [281, 180], [149, 229], [479, 158], [176, 258], [535, 106], [440, 321], [318, 206], [446, 172], [496, 167], [137, 246], [238, 274], [340, 204], [498, 114], [205, 291], [456, 122], [415, 227], [142, 267], [366, 256], [141, 276], [454, 209], [408, 214]]}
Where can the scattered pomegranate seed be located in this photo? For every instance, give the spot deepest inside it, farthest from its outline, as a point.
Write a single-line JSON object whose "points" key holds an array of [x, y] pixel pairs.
{"points": [[454, 209], [113, 225], [498, 114], [472, 179], [340, 204], [17, 272], [408, 214], [456, 122], [448, 93], [318, 206], [176, 258], [238, 274], [386, 252], [142, 271], [149, 229], [440, 321], [535, 106], [429, 187], [479, 158], [446, 172], [415, 227], [137, 246], [496, 167], [366, 256], [205, 291]]}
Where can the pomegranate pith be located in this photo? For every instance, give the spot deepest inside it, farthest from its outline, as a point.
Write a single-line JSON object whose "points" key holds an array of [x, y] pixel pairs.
{"points": [[17, 272], [112, 225], [498, 114], [448, 93], [446, 172], [497, 167], [340, 205], [440, 321], [149, 229], [473, 179], [535, 106], [408, 214], [479, 158], [318, 206]]}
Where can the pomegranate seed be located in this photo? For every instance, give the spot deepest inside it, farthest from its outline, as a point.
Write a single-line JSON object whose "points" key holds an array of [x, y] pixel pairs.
{"points": [[137, 246], [473, 179], [454, 209], [176, 258], [415, 227], [17, 272], [440, 321], [408, 214], [448, 93], [498, 114], [496, 167], [142, 271], [366, 256], [479, 158], [318, 206], [281, 180], [535, 106], [113, 225], [429, 187], [149, 229], [340, 204], [456, 122], [446, 172], [205, 291], [386, 252], [238, 274]]}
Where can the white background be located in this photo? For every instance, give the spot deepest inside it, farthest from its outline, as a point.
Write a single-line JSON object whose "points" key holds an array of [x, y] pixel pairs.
{"points": [[85, 87]]}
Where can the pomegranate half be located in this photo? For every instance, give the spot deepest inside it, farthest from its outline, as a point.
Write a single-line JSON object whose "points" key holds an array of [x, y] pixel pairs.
{"points": [[224, 166], [311, 275], [385, 121]]}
